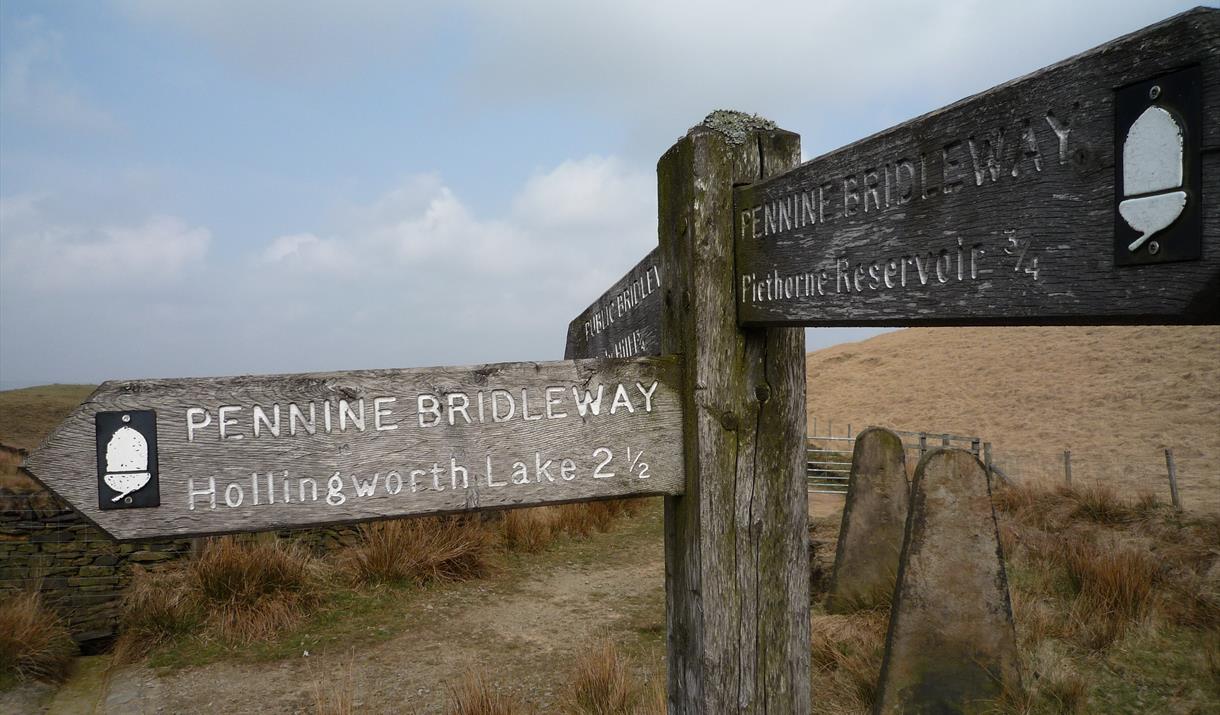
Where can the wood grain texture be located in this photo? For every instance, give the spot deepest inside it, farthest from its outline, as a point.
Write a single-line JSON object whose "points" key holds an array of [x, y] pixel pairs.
{"points": [[67, 462], [623, 322], [737, 598], [1044, 198]]}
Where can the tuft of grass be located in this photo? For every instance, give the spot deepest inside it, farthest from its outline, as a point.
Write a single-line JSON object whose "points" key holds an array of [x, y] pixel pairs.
{"points": [[238, 590], [1116, 601], [251, 589], [530, 530], [474, 696], [601, 684], [421, 550], [1099, 504], [34, 643], [331, 698], [846, 652], [1114, 586], [156, 607]]}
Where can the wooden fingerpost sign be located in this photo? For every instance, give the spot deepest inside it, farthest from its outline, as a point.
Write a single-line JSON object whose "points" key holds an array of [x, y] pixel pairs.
{"points": [[625, 321], [736, 561], [158, 458], [1085, 193]]}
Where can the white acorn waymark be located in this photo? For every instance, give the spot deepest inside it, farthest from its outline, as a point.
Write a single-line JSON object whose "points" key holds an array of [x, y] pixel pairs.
{"points": [[126, 462], [1152, 163]]}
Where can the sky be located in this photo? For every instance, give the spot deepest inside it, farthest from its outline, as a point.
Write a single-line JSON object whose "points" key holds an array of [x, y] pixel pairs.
{"points": [[269, 186]]}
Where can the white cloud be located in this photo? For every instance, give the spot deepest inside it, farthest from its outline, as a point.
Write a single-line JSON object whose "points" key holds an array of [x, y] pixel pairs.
{"points": [[594, 193], [410, 277], [310, 253], [578, 216], [40, 254], [35, 85]]}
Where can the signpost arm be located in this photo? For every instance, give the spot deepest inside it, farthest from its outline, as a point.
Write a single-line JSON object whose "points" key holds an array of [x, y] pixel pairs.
{"points": [[737, 578]]}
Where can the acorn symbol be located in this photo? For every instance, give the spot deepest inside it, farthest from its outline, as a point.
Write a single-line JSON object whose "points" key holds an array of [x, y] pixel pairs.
{"points": [[1152, 174], [126, 462]]}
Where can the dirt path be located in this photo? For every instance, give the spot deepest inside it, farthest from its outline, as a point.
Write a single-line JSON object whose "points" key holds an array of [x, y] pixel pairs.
{"points": [[522, 631]]}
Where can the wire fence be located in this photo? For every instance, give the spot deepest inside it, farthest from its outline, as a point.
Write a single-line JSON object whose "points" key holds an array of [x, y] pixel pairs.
{"points": [[828, 456], [1187, 477], [1134, 472]]}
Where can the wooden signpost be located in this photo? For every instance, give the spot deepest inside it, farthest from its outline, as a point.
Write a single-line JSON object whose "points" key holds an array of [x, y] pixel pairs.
{"points": [[157, 458], [1085, 193], [625, 321]]}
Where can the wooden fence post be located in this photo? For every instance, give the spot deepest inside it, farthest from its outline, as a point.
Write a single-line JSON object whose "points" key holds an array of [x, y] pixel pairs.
{"points": [[736, 559], [923, 444], [987, 459], [1067, 466], [1173, 479]]}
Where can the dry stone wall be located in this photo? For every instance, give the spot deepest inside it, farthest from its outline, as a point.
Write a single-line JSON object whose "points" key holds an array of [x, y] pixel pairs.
{"points": [[81, 572]]}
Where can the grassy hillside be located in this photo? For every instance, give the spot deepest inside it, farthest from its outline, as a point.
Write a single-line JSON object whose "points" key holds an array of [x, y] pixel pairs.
{"points": [[28, 415], [1115, 396]]}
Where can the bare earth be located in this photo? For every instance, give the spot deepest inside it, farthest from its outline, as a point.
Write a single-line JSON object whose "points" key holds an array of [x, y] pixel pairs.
{"points": [[523, 631], [1114, 396]]}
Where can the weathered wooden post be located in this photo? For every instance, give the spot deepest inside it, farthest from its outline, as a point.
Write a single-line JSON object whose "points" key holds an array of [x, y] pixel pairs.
{"points": [[736, 565], [1173, 479], [1067, 467]]}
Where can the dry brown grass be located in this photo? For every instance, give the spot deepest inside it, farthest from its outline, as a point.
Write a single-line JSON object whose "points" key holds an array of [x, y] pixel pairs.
{"points": [[474, 696], [34, 644], [447, 548], [530, 530], [1100, 504], [12, 479], [1114, 599], [1094, 577], [1114, 587], [533, 529], [846, 653], [1036, 391], [600, 684], [336, 696], [250, 589], [29, 414], [239, 590], [156, 607]]}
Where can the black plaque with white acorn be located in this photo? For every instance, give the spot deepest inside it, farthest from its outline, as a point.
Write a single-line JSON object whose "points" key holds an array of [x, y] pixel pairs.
{"points": [[127, 459]]}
